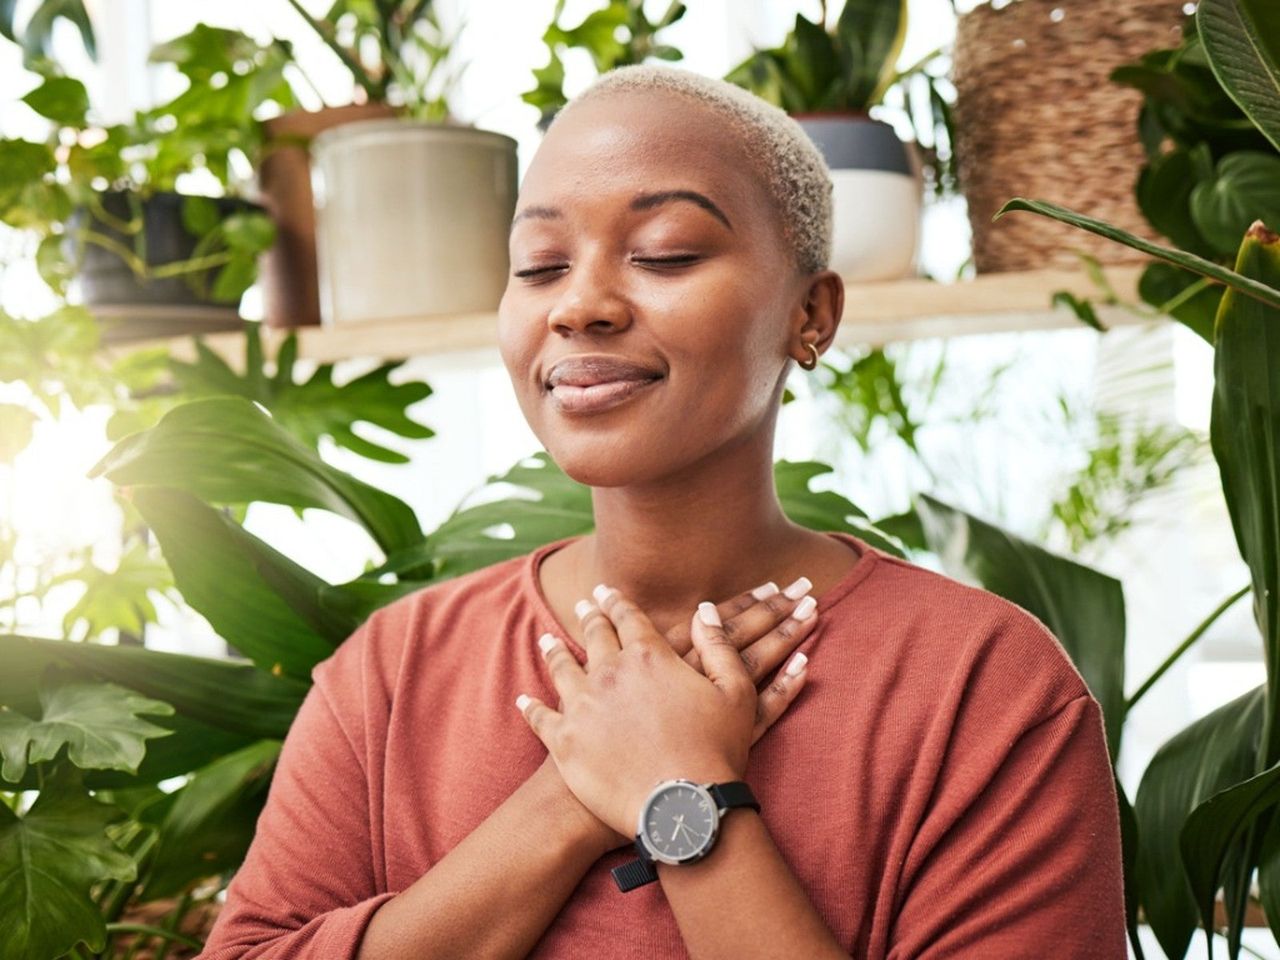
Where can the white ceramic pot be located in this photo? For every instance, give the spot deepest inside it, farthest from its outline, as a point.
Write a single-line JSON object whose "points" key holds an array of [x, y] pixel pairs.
{"points": [[411, 219], [876, 205]]}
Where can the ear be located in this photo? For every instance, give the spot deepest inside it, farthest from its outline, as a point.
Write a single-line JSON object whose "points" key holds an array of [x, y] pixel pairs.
{"points": [[817, 313]]}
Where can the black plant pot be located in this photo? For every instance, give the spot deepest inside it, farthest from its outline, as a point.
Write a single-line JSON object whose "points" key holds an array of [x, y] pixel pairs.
{"points": [[133, 307]]}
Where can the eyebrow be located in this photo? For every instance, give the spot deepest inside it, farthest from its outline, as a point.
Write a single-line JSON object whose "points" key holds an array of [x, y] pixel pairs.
{"points": [[643, 201]]}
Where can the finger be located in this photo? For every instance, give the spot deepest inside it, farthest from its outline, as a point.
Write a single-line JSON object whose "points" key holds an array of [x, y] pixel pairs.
{"points": [[720, 661], [599, 638], [779, 694], [682, 642], [567, 675], [769, 607], [541, 718], [761, 657], [632, 624]]}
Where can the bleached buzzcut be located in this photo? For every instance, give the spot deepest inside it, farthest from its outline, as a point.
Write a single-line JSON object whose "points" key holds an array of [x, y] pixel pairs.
{"points": [[789, 164]]}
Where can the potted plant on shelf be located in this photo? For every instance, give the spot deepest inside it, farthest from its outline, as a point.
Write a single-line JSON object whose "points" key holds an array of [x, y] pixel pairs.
{"points": [[1209, 172], [617, 34], [105, 201], [829, 81], [410, 215]]}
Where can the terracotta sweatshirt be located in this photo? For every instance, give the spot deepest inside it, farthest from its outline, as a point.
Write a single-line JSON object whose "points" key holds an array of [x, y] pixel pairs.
{"points": [[940, 788]]}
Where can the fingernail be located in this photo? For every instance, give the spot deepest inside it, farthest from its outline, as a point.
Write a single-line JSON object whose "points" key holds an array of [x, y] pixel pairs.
{"points": [[546, 642], [601, 593], [582, 608], [796, 666], [804, 608], [522, 701], [708, 614], [797, 589], [765, 590]]}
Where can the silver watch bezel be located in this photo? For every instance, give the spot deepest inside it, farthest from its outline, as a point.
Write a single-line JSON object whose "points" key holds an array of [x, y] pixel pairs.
{"points": [[642, 836]]}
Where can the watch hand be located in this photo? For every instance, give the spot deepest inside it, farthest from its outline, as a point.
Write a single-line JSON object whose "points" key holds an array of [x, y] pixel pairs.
{"points": [[679, 824]]}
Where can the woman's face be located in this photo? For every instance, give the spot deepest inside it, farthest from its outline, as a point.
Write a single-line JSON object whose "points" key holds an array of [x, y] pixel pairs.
{"points": [[617, 187]]}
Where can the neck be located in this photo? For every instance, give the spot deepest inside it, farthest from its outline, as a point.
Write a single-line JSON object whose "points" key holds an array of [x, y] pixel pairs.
{"points": [[714, 530]]}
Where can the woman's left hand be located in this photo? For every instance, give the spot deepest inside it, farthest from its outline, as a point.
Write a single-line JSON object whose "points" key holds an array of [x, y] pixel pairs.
{"points": [[642, 714]]}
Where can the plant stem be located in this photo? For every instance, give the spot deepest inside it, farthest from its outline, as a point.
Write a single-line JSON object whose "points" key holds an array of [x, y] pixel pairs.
{"points": [[1185, 645], [164, 935], [325, 32]]}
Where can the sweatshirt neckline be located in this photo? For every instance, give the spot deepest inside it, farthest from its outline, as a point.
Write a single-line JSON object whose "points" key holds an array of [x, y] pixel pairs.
{"points": [[861, 569]]}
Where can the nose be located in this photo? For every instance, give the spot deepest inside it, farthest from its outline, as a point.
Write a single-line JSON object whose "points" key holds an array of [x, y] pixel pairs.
{"points": [[589, 295]]}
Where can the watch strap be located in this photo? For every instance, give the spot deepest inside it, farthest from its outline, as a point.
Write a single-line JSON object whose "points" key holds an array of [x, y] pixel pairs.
{"points": [[635, 873], [733, 793]]}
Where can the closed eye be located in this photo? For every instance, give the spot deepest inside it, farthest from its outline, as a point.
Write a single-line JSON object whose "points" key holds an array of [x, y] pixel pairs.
{"points": [[662, 262]]}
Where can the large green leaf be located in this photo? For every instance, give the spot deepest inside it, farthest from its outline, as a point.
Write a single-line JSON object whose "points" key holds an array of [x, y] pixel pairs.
{"points": [[1245, 187], [49, 860], [1214, 829], [1082, 607], [1129, 841], [1212, 754], [1205, 268], [227, 450], [99, 723], [1239, 37], [119, 598], [220, 693], [1244, 431], [871, 33], [256, 598], [825, 509], [209, 825]]}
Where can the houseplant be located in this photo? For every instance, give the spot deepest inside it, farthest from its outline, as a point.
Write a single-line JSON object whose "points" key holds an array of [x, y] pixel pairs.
{"points": [[105, 202], [615, 35], [401, 63], [828, 81], [1208, 172], [1205, 816], [36, 35]]}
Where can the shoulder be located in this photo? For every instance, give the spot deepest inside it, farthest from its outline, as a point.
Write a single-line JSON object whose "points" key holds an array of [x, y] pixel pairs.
{"points": [[378, 649], [964, 644]]}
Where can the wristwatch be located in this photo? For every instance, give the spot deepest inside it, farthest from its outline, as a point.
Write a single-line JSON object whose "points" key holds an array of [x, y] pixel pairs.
{"points": [[679, 822]]}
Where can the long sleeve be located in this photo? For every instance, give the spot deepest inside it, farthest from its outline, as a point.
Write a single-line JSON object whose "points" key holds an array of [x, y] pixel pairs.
{"points": [[1032, 868], [307, 887]]}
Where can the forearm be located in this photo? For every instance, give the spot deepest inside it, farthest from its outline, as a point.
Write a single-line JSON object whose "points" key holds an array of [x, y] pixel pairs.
{"points": [[496, 892], [743, 901]]}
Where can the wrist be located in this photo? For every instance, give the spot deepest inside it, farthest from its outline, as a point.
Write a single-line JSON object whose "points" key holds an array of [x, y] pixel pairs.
{"points": [[573, 824]]}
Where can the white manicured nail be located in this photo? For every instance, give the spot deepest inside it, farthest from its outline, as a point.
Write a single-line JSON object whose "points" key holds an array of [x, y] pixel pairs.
{"points": [[797, 589], [796, 666], [804, 608], [765, 590], [582, 608], [546, 642], [522, 701], [601, 593], [708, 614]]}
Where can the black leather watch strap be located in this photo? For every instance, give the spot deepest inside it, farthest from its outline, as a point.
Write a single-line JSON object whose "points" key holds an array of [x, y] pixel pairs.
{"points": [[733, 793], [635, 873]]}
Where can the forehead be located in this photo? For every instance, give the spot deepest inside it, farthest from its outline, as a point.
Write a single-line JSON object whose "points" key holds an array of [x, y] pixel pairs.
{"points": [[623, 144]]}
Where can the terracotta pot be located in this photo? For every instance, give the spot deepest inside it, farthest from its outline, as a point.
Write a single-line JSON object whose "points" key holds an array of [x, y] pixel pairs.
{"points": [[290, 288]]}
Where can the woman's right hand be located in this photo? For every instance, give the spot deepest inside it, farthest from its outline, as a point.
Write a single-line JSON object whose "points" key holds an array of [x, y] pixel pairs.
{"points": [[765, 633]]}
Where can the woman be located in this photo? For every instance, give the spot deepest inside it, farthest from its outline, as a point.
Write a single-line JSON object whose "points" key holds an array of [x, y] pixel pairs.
{"points": [[943, 787]]}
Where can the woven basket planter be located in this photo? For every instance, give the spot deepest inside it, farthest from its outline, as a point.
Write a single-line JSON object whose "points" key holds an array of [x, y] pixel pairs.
{"points": [[1036, 117]]}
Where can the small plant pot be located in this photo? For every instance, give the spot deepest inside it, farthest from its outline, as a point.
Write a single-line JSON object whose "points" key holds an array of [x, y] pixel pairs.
{"points": [[132, 306], [290, 288], [876, 206], [411, 219]]}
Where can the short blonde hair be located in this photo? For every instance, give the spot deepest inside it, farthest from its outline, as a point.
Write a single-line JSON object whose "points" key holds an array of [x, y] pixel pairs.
{"points": [[791, 166]]}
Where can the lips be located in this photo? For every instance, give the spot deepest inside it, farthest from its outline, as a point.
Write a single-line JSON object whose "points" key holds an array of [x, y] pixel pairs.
{"points": [[585, 370]]}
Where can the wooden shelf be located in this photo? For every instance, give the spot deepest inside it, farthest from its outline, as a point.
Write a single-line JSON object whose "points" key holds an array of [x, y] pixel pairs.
{"points": [[874, 314]]}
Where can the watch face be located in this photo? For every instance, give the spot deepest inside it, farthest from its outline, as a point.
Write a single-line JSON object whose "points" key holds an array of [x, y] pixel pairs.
{"points": [[679, 822]]}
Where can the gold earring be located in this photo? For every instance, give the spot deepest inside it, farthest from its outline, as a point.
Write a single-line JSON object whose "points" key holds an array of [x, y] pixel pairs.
{"points": [[814, 351]]}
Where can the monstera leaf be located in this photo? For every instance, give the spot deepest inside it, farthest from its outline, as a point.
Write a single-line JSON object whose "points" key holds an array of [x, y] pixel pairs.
{"points": [[118, 598], [100, 724], [316, 407], [49, 860]]}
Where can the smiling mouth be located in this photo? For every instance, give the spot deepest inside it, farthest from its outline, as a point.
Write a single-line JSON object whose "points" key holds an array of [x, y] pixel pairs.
{"points": [[597, 397]]}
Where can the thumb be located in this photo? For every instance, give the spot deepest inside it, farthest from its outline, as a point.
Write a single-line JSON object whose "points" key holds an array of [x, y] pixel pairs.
{"points": [[721, 661]]}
